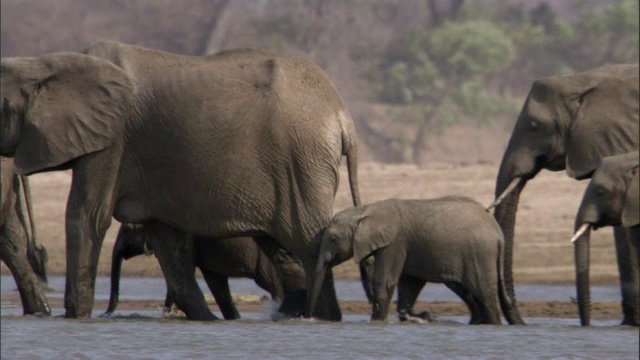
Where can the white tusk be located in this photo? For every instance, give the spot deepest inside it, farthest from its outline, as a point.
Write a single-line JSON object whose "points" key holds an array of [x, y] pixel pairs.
{"points": [[505, 193], [580, 232]]}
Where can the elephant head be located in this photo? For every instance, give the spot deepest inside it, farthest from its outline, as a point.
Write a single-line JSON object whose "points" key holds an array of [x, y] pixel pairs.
{"points": [[567, 122], [356, 232], [610, 199], [60, 106]]}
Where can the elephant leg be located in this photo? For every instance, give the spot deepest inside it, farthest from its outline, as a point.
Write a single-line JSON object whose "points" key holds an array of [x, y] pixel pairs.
{"points": [[219, 286], [628, 256], [13, 252], [88, 216], [477, 316], [268, 279], [291, 273], [174, 250], [409, 288], [387, 269]]}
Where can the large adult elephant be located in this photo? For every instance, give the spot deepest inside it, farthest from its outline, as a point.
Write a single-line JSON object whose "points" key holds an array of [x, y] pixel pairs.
{"points": [[567, 123], [243, 142], [611, 199], [18, 249]]}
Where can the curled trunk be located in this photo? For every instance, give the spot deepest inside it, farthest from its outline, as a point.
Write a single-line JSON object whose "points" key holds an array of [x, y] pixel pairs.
{"points": [[581, 255]]}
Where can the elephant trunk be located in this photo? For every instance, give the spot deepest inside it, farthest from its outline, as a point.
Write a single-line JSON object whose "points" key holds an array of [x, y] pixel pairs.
{"points": [[116, 266], [36, 254], [581, 254], [318, 281], [505, 214]]}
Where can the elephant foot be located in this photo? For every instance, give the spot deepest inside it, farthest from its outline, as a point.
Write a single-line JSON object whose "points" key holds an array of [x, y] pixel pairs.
{"points": [[106, 315], [630, 322], [293, 305], [420, 318]]}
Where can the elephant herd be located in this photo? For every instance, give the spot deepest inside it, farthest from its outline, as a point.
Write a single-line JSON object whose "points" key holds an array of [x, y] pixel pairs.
{"points": [[229, 163]]}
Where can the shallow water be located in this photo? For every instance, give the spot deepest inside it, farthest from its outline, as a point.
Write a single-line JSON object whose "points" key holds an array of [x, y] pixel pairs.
{"points": [[145, 335]]}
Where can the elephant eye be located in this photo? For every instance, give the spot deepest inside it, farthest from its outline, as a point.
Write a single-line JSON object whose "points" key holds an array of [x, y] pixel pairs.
{"points": [[533, 125], [333, 239]]}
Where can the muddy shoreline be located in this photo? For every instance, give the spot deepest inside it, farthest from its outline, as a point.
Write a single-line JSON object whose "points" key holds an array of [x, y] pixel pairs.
{"points": [[609, 310]]}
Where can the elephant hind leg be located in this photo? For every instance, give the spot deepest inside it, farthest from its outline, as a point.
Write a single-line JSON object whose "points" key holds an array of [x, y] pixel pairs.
{"points": [[219, 286], [174, 251], [479, 314], [409, 288]]}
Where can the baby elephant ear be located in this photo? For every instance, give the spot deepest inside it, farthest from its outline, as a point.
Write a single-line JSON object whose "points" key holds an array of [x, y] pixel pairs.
{"points": [[79, 105], [630, 213], [373, 232]]}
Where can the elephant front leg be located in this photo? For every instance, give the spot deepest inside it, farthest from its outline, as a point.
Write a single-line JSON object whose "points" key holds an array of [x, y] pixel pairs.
{"points": [[387, 269], [174, 251], [628, 256], [83, 252]]}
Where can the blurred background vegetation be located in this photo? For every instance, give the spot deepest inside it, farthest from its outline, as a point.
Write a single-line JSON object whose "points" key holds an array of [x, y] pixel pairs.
{"points": [[426, 80]]}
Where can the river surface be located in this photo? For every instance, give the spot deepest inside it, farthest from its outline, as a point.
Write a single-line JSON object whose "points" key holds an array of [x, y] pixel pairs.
{"points": [[145, 335]]}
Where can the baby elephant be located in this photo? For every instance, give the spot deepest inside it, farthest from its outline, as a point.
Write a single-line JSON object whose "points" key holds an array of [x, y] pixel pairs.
{"points": [[612, 199], [217, 259], [450, 240]]}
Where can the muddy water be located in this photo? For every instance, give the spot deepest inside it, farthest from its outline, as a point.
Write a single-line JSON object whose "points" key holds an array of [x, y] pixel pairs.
{"points": [[145, 335]]}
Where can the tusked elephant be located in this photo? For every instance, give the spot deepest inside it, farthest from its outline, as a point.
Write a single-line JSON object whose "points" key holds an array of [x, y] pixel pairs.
{"points": [[611, 199], [18, 248], [254, 137], [450, 240], [567, 123], [218, 260]]}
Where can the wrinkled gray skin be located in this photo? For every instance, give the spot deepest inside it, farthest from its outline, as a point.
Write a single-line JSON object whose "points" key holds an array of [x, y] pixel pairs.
{"points": [[168, 140], [611, 199], [217, 259], [450, 240], [567, 123], [18, 250]]}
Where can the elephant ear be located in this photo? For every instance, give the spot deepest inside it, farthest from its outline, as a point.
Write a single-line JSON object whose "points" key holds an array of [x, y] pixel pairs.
{"points": [[79, 105], [604, 108], [630, 212], [377, 229]]}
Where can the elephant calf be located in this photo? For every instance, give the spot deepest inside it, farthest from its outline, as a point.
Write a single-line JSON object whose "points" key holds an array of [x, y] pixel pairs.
{"points": [[18, 250], [612, 199], [450, 240], [217, 259]]}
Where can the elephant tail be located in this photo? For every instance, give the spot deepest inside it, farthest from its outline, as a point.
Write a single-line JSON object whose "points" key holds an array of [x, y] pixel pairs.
{"points": [[506, 304], [350, 150]]}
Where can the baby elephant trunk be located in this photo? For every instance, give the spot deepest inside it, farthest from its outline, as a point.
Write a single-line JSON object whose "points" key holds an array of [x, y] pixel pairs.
{"points": [[318, 281]]}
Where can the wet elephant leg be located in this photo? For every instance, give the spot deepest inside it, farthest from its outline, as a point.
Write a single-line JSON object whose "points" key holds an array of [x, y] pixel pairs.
{"points": [[219, 286], [387, 270], [409, 288], [628, 256], [477, 316], [292, 276], [13, 252], [174, 251]]}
